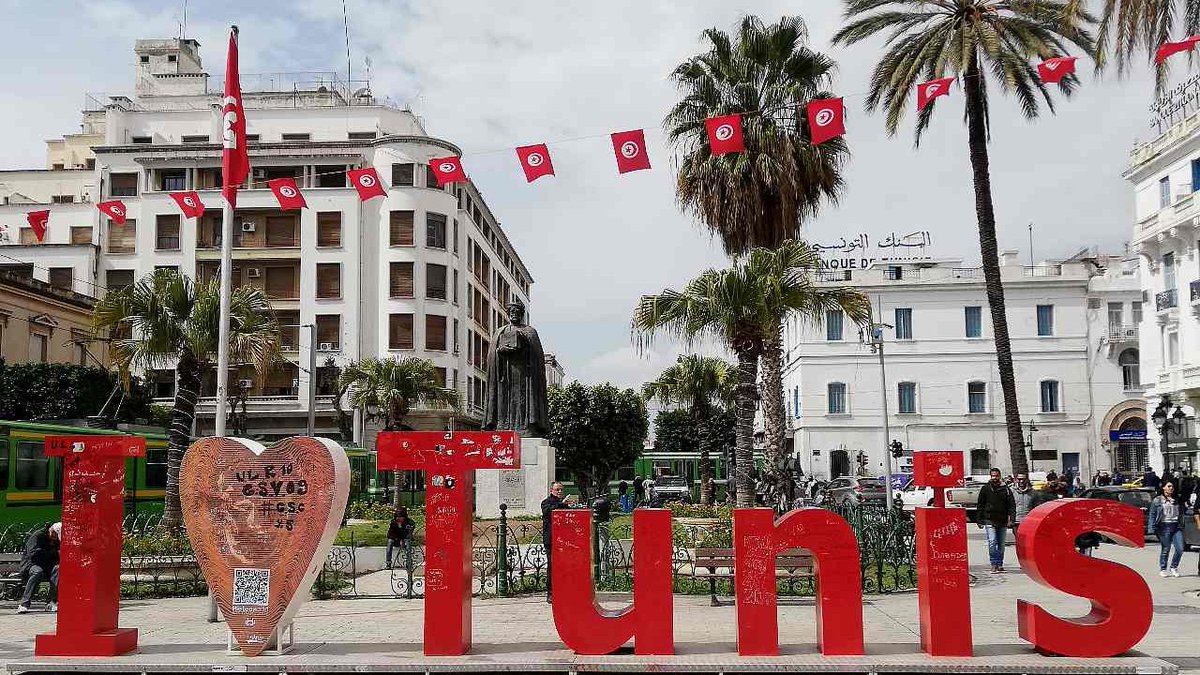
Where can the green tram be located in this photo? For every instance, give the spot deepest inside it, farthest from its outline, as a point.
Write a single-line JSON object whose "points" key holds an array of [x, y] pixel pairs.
{"points": [[31, 482]]}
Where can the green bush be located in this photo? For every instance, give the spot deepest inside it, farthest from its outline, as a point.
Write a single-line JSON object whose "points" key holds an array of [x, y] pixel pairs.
{"points": [[155, 542], [370, 510]]}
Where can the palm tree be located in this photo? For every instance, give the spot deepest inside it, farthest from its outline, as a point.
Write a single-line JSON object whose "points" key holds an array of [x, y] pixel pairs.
{"points": [[697, 382], [787, 273], [741, 307], [167, 318], [386, 390], [972, 39], [1127, 26], [761, 196]]}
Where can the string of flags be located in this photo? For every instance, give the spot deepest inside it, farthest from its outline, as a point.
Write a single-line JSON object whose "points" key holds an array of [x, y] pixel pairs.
{"points": [[826, 118]]}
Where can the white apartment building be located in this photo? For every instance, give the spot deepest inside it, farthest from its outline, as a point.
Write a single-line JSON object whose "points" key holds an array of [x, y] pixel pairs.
{"points": [[422, 272], [1074, 342], [1165, 173]]}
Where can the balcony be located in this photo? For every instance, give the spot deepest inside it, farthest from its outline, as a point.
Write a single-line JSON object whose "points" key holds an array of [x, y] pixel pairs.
{"points": [[1122, 334], [1043, 270], [1166, 300], [1194, 287], [831, 275]]}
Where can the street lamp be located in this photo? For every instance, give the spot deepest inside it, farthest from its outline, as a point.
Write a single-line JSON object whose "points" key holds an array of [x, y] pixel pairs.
{"points": [[1165, 424]]}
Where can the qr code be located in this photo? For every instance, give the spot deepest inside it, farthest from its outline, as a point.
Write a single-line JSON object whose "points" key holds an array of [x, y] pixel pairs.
{"points": [[251, 586]]}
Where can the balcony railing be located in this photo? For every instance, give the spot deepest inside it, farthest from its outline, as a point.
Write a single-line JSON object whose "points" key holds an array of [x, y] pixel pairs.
{"points": [[1166, 300], [832, 275], [967, 272], [1195, 290], [1122, 333], [1043, 270]]}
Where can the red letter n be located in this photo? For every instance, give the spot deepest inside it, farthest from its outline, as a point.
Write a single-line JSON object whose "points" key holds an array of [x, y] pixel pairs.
{"points": [[757, 539], [587, 628]]}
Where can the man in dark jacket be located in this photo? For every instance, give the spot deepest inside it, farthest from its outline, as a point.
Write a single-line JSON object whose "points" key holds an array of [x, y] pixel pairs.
{"points": [[40, 563], [1151, 479], [551, 504], [994, 511]]}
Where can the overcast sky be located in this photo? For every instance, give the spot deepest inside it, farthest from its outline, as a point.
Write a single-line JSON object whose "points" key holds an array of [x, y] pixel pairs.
{"points": [[491, 76]]}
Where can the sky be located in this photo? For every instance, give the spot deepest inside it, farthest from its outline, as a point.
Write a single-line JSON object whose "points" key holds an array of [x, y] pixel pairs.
{"points": [[490, 77]]}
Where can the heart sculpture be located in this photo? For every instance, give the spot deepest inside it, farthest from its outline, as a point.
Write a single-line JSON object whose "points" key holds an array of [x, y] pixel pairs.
{"points": [[262, 520]]}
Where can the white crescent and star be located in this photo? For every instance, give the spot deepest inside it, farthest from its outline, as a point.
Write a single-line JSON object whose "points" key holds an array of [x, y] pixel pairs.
{"points": [[534, 159], [932, 90], [824, 117], [630, 149], [366, 180], [287, 191], [724, 132], [447, 167]]}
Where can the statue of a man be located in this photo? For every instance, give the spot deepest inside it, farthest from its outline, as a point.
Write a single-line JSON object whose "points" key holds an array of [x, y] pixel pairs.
{"points": [[516, 378]]}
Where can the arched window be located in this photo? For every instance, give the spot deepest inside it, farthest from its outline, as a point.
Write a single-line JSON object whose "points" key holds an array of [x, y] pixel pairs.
{"points": [[1131, 375]]}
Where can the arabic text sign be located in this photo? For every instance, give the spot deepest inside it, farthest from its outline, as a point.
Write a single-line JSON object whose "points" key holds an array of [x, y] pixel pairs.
{"points": [[858, 252]]}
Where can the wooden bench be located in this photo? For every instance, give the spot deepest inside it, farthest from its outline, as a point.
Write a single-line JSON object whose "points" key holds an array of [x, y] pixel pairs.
{"points": [[11, 583], [718, 563]]}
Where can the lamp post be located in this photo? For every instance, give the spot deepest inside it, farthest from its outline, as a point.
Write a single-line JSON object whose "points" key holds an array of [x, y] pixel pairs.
{"points": [[1029, 443], [1165, 423]]}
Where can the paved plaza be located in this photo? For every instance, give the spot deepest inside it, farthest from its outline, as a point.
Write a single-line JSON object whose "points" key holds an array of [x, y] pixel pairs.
{"points": [[510, 633]]}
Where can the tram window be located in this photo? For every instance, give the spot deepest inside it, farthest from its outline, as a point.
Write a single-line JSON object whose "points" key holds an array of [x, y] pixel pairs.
{"points": [[156, 467], [33, 466], [4, 464]]}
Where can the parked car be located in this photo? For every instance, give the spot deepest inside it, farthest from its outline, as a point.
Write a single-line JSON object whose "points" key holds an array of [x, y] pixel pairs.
{"points": [[1138, 497], [854, 491], [672, 489]]}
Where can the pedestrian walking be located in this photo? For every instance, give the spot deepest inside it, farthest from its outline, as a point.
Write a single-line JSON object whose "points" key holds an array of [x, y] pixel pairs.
{"points": [[399, 535], [639, 491], [994, 511], [1166, 521], [1023, 500], [1151, 479], [553, 502], [40, 563], [623, 499]]}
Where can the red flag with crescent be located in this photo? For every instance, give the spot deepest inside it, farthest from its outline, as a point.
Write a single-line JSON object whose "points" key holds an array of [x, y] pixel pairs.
{"points": [[235, 161], [826, 119], [927, 91], [535, 161], [725, 134], [367, 182], [447, 170], [630, 150], [1169, 49], [287, 193], [114, 209], [38, 220], [1052, 71], [189, 203]]}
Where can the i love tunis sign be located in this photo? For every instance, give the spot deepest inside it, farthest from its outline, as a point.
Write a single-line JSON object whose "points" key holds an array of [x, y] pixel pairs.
{"points": [[1120, 599]]}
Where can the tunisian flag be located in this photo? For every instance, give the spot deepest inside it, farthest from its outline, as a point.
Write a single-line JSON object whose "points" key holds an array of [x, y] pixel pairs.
{"points": [[367, 182], [114, 209], [1052, 71], [630, 149], [447, 170], [535, 161], [189, 203], [38, 220], [927, 91], [826, 119], [1169, 49], [725, 134], [235, 162], [287, 193]]}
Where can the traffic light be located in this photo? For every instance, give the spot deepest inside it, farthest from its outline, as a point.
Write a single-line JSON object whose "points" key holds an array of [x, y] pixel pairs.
{"points": [[897, 449]]}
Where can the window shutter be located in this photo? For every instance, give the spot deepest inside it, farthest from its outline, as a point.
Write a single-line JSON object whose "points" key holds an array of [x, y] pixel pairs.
{"points": [[329, 280], [401, 278], [281, 283], [329, 229], [435, 281], [81, 235], [281, 231], [329, 329], [400, 331], [122, 238], [401, 228], [435, 333]]}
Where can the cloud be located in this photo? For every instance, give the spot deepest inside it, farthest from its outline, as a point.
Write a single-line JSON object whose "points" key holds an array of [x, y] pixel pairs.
{"points": [[626, 367]]}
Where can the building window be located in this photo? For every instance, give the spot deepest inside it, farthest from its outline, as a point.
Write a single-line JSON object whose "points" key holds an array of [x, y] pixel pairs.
{"points": [[362, 135], [435, 281], [976, 397], [28, 238], [281, 282], [1135, 309], [195, 138], [122, 238], [329, 229], [454, 339], [1168, 271], [329, 176], [39, 348], [1050, 403], [435, 230], [836, 392], [904, 323], [431, 180], [171, 180], [329, 280], [1045, 320], [833, 325], [974, 319], [454, 288], [329, 331], [400, 331], [456, 236], [116, 280], [796, 402], [141, 140], [1164, 192], [166, 232], [435, 333], [403, 175], [400, 275], [1196, 175], [906, 394], [62, 199], [1130, 362], [123, 185], [401, 228], [62, 277], [81, 234], [1173, 348], [33, 466], [1116, 316], [296, 137]]}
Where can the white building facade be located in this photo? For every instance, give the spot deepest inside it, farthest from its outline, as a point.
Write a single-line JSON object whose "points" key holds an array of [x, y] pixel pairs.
{"points": [[1165, 173], [423, 271], [1074, 348]]}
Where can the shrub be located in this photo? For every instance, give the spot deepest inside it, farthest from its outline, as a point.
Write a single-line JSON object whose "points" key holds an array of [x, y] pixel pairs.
{"points": [[371, 510]]}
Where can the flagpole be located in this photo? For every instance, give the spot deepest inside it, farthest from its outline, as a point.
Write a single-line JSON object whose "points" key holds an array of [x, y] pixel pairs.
{"points": [[226, 280]]}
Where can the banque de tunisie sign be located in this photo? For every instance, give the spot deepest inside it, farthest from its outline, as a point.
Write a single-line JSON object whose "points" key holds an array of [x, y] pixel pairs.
{"points": [[263, 492]]}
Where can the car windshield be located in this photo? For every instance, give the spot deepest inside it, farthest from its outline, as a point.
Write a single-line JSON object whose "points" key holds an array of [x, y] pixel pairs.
{"points": [[670, 481], [870, 483], [1139, 498]]}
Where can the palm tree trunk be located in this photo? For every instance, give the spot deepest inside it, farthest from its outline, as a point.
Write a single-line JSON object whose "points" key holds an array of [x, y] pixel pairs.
{"points": [[772, 407], [977, 142], [179, 437], [745, 395], [699, 415]]}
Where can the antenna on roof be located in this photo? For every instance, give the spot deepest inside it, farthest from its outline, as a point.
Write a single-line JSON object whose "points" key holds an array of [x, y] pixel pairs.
{"points": [[183, 24], [346, 25]]}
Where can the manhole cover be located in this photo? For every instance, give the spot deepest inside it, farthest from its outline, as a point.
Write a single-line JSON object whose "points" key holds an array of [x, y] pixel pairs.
{"points": [[1176, 609]]}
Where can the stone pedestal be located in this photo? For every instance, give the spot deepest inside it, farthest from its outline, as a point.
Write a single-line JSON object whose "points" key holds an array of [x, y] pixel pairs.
{"points": [[522, 489]]}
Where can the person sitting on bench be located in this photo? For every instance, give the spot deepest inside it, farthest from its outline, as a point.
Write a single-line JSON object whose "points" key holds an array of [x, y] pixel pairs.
{"points": [[41, 563]]}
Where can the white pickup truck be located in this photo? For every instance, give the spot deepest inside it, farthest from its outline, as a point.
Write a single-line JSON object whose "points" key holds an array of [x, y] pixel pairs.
{"points": [[965, 496]]}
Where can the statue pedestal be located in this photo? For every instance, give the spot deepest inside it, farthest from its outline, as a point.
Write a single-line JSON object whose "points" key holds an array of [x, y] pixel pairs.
{"points": [[521, 489]]}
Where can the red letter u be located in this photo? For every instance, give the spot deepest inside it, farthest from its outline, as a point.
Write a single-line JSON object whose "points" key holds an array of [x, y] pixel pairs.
{"points": [[586, 627]]}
